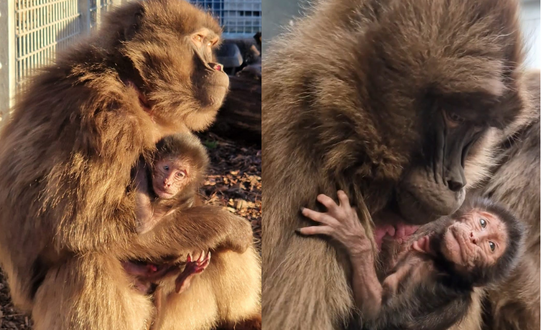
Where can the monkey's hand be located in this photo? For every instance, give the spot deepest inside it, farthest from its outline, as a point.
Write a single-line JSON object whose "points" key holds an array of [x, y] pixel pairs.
{"points": [[341, 223], [192, 268]]}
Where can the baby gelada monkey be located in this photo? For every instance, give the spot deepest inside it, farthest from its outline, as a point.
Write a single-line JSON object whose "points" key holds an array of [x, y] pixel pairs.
{"points": [[166, 182], [428, 277], [169, 180]]}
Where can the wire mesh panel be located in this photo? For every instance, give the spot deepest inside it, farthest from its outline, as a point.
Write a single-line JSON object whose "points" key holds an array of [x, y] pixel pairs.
{"points": [[239, 18], [98, 7], [42, 28], [35, 31]]}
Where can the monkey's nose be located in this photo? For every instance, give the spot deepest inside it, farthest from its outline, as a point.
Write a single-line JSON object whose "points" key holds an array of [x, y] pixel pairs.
{"points": [[473, 239]]}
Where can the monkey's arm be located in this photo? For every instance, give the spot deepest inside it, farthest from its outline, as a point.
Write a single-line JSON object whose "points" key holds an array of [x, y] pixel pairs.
{"points": [[367, 289], [341, 222], [194, 229]]}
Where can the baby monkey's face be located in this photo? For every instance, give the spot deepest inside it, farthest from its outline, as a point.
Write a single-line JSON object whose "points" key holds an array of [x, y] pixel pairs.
{"points": [[170, 176], [476, 240]]}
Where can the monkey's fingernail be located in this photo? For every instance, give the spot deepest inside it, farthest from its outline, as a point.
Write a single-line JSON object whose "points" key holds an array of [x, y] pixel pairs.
{"points": [[302, 209], [298, 231]]}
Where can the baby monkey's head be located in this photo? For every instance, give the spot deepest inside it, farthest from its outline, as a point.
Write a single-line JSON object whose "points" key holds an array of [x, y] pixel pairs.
{"points": [[180, 161]]}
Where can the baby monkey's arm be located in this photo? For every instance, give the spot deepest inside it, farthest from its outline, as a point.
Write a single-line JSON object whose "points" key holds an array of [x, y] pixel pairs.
{"points": [[341, 223]]}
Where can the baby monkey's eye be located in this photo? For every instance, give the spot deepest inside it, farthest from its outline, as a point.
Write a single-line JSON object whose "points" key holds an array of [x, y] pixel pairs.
{"points": [[166, 167], [492, 246], [181, 174], [483, 222]]}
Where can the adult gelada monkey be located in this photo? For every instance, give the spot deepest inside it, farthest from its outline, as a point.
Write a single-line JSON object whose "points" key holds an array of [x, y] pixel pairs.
{"points": [[429, 278], [397, 101], [66, 156]]}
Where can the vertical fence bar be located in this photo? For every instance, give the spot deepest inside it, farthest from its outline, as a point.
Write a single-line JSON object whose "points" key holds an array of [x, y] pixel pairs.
{"points": [[7, 57], [98, 13], [84, 9]]}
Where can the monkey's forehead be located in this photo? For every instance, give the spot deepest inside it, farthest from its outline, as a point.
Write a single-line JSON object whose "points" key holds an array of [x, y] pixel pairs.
{"points": [[181, 15]]}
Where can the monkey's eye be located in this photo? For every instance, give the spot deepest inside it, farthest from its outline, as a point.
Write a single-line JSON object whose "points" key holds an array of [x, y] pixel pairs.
{"points": [[452, 119], [209, 43], [181, 174], [198, 38], [166, 167], [492, 246], [483, 222], [456, 118]]}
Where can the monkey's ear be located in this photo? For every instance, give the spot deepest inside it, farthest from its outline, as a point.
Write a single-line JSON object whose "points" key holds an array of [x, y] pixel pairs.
{"points": [[132, 29]]}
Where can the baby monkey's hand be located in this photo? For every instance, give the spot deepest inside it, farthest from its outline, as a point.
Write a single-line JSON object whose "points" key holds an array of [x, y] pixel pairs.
{"points": [[341, 223]]}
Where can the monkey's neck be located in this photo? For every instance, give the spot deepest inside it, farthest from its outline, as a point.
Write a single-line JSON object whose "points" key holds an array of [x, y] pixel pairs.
{"points": [[142, 98]]}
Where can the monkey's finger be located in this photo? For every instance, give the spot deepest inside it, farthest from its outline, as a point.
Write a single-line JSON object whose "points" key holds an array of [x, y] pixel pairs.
{"points": [[315, 230], [203, 265], [329, 203], [207, 258], [201, 256], [344, 200], [319, 217]]}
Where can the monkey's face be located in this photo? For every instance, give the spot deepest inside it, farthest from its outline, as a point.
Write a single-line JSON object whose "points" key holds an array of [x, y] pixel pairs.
{"points": [[454, 135], [170, 45], [476, 241], [170, 176], [439, 98]]}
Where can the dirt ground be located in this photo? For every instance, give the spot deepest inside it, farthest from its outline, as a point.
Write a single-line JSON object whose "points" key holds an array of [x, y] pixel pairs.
{"points": [[234, 181]]}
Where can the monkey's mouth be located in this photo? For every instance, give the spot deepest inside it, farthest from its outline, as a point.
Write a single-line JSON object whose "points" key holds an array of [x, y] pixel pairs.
{"points": [[394, 227], [163, 193], [217, 66]]}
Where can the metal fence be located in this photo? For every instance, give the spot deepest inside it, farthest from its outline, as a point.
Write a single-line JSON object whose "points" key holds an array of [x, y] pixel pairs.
{"points": [[32, 31], [239, 18]]}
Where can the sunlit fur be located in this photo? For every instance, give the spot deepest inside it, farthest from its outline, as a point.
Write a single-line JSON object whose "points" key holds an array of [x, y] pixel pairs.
{"points": [[65, 159]]}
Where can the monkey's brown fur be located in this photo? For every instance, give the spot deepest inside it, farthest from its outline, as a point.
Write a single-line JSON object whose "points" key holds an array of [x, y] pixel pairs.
{"points": [[342, 116], [66, 155], [514, 305]]}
